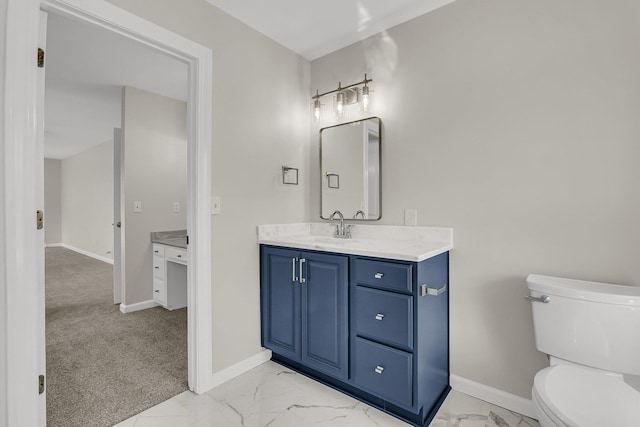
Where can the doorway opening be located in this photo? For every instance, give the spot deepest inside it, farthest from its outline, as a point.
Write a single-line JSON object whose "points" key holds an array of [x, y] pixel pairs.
{"points": [[197, 199], [123, 101]]}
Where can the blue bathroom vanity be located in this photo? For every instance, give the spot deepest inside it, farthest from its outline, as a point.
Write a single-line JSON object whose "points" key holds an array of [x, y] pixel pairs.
{"points": [[374, 327]]}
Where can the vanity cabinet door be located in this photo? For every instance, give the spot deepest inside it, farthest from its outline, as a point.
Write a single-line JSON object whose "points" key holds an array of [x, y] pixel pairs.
{"points": [[280, 302], [325, 333]]}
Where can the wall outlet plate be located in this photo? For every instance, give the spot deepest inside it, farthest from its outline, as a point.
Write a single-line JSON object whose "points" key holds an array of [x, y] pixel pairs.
{"points": [[411, 217], [176, 207]]}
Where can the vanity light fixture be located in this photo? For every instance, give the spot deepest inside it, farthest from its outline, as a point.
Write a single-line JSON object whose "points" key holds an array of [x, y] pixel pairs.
{"points": [[339, 103], [364, 99], [317, 108], [346, 95]]}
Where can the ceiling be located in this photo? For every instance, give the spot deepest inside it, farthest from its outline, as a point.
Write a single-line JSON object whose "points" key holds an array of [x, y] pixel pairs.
{"points": [[87, 66], [315, 28]]}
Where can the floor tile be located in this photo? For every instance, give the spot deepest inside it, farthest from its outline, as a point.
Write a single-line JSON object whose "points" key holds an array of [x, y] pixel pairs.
{"points": [[274, 396]]}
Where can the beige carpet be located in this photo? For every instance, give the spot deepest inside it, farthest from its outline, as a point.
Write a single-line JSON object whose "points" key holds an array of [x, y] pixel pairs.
{"points": [[104, 366]]}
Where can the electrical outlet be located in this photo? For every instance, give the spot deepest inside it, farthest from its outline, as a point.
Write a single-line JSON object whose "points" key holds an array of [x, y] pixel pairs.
{"points": [[176, 207], [137, 207], [411, 217], [216, 207]]}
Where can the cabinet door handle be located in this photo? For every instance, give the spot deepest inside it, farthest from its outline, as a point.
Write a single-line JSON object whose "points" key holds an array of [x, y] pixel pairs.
{"points": [[379, 369], [302, 279], [294, 278], [378, 275], [156, 252], [179, 256], [157, 290], [157, 267], [379, 316]]}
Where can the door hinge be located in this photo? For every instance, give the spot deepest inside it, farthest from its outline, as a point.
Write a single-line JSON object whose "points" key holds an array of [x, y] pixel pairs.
{"points": [[40, 384], [39, 217], [40, 58]]}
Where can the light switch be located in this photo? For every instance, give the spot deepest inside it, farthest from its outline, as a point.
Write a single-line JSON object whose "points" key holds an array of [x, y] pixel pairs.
{"points": [[176, 207], [216, 207], [137, 207]]}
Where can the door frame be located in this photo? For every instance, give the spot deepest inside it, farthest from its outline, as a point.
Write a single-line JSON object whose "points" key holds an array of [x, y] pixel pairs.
{"points": [[19, 198]]}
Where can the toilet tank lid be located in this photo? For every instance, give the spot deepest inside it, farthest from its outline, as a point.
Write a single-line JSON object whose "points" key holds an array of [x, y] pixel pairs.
{"points": [[584, 290]]}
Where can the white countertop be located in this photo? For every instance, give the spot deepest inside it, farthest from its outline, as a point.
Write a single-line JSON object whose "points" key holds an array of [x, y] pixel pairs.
{"points": [[382, 241]]}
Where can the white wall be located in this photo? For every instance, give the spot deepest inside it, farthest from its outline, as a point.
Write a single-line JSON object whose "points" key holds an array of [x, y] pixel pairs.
{"points": [[87, 200], [516, 123], [3, 284], [154, 142], [260, 122], [52, 201]]}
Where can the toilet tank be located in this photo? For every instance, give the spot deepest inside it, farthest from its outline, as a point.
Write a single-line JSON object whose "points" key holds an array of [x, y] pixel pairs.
{"points": [[594, 324]]}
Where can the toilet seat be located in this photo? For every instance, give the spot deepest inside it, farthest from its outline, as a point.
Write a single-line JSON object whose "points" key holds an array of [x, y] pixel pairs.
{"points": [[579, 397]]}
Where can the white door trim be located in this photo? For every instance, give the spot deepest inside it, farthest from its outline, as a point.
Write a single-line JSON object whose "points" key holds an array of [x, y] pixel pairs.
{"points": [[18, 264], [199, 113], [19, 344]]}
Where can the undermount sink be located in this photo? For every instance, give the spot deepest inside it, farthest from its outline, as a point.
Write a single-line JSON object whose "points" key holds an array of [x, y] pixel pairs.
{"points": [[328, 240]]}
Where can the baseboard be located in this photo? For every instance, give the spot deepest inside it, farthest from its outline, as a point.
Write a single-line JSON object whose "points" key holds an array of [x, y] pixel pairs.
{"points": [[53, 245], [138, 306], [236, 370], [81, 251], [494, 396]]}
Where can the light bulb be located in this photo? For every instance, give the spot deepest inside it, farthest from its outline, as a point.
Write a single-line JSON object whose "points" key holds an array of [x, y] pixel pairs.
{"points": [[316, 110], [340, 105], [364, 103]]}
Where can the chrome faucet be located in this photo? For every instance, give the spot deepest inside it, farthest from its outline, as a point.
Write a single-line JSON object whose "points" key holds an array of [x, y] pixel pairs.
{"points": [[342, 232], [360, 212]]}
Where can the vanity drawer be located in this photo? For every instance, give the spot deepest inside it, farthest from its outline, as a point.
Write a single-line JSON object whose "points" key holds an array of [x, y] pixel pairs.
{"points": [[158, 250], [384, 316], [381, 274], [384, 371], [159, 294], [176, 254], [158, 267]]}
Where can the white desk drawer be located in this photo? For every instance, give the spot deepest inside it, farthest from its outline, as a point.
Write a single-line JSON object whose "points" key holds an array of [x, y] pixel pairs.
{"points": [[176, 255], [158, 267]]}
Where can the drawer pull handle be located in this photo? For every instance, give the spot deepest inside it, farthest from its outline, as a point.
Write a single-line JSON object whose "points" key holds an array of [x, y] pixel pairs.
{"points": [[379, 369], [379, 316], [156, 252], [157, 267], [179, 256], [156, 291], [378, 275]]}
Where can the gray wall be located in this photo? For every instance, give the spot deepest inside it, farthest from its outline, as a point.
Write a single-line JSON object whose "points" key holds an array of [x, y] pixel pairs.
{"points": [[3, 287], [154, 141], [52, 201], [516, 123], [87, 200], [260, 122]]}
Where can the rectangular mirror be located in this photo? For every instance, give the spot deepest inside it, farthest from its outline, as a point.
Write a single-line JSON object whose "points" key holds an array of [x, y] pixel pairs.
{"points": [[350, 169]]}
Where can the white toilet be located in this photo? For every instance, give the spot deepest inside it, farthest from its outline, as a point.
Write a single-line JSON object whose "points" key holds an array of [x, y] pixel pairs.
{"points": [[591, 332]]}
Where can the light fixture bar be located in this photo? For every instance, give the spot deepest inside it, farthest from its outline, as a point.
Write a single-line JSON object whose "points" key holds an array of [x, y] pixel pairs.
{"points": [[342, 88]]}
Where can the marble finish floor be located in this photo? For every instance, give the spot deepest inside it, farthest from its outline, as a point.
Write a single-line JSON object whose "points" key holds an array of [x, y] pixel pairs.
{"points": [[274, 396]]}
